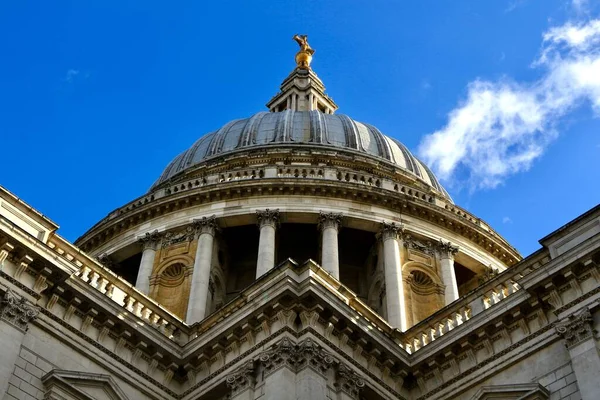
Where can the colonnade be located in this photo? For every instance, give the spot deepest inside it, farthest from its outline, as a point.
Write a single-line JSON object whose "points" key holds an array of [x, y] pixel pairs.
{"points": [[391, 235]]}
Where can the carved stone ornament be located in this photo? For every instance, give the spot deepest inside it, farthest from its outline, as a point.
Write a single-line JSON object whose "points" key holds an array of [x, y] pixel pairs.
{"points": [[296, 356], [268, 217], [150, 240], [330, 220], [576, 328], [205, 225], [391, 230], [349, 381], [171, 238], [106, 261], [414, 244], [17, 310], [241, 379], [281, 354], [446, 249]]}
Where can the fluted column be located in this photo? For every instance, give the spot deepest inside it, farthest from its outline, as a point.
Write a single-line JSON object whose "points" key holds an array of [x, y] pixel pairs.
{"points": [[268, 220], [446, 252], [205, 231], [394, 289], [150, 242], [330, 224]]}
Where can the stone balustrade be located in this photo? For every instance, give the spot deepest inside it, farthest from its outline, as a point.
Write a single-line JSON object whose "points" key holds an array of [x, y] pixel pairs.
{"points": [[120, 291], [485, 296]]}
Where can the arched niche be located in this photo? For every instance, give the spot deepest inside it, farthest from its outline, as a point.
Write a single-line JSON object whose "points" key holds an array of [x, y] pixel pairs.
{"points": [[423, 291], [170, 285]]}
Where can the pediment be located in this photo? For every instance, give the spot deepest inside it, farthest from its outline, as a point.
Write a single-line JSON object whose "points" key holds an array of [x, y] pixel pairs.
{"points": [[67, 385], [523, 391]]}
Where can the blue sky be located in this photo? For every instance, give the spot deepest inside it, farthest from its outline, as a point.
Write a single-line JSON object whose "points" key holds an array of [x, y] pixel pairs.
{"points": [[96, 97]]}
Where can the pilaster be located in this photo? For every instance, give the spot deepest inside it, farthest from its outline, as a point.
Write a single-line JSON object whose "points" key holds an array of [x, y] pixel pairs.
{"points": [[578, 333]]}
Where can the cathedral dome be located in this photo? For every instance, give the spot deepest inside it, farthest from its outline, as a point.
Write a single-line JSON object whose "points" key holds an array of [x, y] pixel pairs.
{"points": [[291, 128]]}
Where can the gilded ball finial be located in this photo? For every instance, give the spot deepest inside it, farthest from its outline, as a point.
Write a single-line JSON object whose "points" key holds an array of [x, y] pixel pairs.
{"points": [[304, 55]]}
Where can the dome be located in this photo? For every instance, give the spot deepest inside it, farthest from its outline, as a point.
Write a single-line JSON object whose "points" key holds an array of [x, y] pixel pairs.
{"points": [[291, 128]]}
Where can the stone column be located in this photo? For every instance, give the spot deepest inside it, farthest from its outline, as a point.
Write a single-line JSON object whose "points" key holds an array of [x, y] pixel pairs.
{"points": [[394, 289], [446, 252], [149, 242], [205, 231], [15, 314], [578, 332], [330, 224], [268, 220]]}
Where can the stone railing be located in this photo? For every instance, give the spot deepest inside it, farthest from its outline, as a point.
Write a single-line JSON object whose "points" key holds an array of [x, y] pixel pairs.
{"points": [[485, 296], [120, 291]]}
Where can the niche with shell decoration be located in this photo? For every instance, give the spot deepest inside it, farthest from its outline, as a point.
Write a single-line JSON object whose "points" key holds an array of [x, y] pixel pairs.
{"points": [[171, 279], [423, 287]]}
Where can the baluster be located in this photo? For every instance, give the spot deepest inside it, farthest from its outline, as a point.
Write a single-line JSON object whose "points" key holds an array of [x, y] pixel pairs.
{"points": [[94, 281], [129, 303], [110, 290], [84, 273], [449, 325], [431, 334], [137, 310], [102, 285]]}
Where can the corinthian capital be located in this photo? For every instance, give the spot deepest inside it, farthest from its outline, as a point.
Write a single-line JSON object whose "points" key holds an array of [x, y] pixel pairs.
{"points": [[150, 240], [330, 220], [391, 230], [446, 249], [241, 379], [576, 328], [349, 381], [205, 225], [17, 310], [268, 217]]}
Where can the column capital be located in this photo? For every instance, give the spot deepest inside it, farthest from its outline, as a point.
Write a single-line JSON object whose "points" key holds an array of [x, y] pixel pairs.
{"points": [[17, 310], [391, 230], [446, 249], [330, 220], [205, 225], [241, 379], [349, 381], [576, 328], [268, 217], [151, 240], [106, 261]]}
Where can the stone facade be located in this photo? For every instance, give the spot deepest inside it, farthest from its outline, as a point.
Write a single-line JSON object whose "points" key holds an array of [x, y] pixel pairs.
{"points": [[72, 329]]}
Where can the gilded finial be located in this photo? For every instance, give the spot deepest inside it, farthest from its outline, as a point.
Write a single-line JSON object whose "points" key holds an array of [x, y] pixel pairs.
{"points": [[304, 55]]}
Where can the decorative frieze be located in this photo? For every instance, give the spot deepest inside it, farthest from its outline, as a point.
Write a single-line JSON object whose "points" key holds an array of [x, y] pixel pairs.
{"points": [[17, 310], [151, 240], [576, 328], [268, 217], [330, 220], [424, 247], [186, 235], [391, 230]]}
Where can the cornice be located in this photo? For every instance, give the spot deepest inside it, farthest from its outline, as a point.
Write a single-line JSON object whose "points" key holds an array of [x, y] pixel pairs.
{"points": [[488, 241]]}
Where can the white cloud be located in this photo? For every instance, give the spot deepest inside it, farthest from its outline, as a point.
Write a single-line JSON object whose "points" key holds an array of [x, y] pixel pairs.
{"points": [[507, 220], [503, 126], [71, 74]]}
